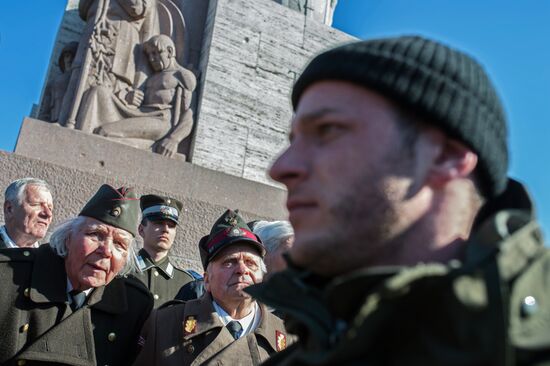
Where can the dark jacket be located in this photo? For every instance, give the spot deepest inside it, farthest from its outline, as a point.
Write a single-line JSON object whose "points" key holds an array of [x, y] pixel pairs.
{"points": [[492, 308], [163, 279], [192, 334], [38, 325]]}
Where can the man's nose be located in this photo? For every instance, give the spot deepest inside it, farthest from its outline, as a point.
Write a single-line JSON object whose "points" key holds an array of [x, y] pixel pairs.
{"points": [[105, 248], [242, 268], [47, 211], [289, 166]]}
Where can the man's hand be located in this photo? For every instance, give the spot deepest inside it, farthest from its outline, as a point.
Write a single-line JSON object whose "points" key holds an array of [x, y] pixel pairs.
{"points": [[166, 147]]}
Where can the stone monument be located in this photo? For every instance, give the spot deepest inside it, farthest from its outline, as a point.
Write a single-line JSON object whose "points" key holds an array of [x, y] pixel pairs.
{"points": [[213, 74]]}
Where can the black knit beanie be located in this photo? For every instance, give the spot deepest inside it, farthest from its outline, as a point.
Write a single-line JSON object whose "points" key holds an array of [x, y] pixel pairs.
{"points": [[443, 86]]}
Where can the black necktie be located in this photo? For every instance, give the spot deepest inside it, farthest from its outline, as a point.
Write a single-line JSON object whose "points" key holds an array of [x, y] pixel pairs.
{"points": [[235, 328], [78, 298]]}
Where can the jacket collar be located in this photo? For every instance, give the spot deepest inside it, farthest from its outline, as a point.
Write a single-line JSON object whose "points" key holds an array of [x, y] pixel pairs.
{"points": [[164, 266]]}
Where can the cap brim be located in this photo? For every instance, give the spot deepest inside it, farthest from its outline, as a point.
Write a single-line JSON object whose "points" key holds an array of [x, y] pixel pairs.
{"points": [[160, 217]]}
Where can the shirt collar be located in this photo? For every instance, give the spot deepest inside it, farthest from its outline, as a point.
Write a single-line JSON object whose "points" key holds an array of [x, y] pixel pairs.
{"points": [[249, 322], [8, 241]]}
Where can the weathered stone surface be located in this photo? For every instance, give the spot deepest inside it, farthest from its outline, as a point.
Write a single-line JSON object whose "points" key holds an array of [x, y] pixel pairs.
{"points": [[248, 54], [87, 161], [256, 50]]}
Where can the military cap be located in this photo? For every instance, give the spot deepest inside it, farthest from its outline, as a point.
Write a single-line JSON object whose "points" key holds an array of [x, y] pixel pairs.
{"points": [[229, 229], [116, 207], [154, 207]]}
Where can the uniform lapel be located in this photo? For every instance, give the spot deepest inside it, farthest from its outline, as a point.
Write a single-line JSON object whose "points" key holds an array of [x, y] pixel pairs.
{"points": [[111, 298], [207, 319], [53, 346], [50, 288], [271, 330]]}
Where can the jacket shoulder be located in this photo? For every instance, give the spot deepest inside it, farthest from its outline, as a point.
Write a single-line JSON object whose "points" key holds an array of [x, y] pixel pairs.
{"points": [[135, 287], [18, 254]]}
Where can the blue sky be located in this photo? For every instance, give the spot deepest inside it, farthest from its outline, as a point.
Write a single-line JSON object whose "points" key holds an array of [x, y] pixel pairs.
{"points": [[509, 37]]}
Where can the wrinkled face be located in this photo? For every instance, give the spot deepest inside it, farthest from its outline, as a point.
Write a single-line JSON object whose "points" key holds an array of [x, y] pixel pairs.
{"points": [[274, 260], [96, 253], [159, 235], [231, 271], [159, 59], [347, 174], [34, 215]]}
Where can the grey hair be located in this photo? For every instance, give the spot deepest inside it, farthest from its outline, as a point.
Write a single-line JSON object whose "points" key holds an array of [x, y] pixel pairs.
{"points": [[58, 242], [15, 191], [263, 267], [273, 233]]}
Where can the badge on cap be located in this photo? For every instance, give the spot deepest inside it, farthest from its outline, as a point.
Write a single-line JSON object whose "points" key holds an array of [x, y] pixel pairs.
{"points": [[281, 340], [190, 325]]}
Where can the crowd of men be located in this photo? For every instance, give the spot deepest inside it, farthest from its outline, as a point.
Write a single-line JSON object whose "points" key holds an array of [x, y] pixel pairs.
{"points": [[408, 244]]}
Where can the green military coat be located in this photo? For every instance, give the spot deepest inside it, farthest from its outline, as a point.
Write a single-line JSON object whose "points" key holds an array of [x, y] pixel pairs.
{"points": [[491, 308], [192, 334], [39, 327], [163, 278]]}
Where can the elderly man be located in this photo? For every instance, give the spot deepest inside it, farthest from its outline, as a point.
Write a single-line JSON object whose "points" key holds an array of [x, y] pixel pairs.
{"points": [[278, 238], [412, 245], [226, 325], [160, 216], [28, 212], [62, 303]]}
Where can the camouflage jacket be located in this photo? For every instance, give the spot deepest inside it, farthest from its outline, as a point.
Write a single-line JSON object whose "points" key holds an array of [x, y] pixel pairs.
{"points": [[491, 308]]}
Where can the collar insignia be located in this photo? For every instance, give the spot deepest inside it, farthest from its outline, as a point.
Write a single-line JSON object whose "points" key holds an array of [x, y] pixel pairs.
{"points": [[190, 325], [169, 269], [281, 340], [141, 263]]}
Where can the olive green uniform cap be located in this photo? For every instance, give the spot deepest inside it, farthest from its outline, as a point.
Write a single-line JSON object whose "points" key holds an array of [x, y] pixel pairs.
{"points": [[115, 207]]}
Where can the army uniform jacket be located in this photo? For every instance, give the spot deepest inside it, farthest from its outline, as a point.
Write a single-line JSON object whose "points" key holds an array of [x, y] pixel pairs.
{"points": [[191, 333], [38, 326], [491, 308], [163, 279]]}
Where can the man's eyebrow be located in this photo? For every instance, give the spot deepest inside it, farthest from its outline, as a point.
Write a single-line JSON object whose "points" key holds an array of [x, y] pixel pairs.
{"points": [[308, 118], [312, 116]]}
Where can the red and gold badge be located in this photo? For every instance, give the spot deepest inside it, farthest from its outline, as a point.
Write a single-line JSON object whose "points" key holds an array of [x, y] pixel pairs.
{"points": [[281, 340], [190, 325]]}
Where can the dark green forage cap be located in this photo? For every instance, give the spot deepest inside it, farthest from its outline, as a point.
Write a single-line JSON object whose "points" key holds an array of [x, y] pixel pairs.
{"points": [[154, 207], [228, 230], [115, 207]]}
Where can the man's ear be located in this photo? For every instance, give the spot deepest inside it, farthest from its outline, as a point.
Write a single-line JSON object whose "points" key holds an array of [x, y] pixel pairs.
{"points": [[8, 208], [171, 51], [140, 230], [455, 161], [206, 281]]}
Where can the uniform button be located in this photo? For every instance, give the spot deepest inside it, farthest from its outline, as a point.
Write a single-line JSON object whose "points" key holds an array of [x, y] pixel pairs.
{"points": [[529, 305], [26, 253], [190, 349], [111, 337], [155, 273], [21, 362], [27, 292], [25, 328], [156, 297]]}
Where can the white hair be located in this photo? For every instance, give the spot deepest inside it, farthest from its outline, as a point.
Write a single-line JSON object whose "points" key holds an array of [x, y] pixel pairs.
{"points": [[273, 233], [15, 191], [58, 242]]}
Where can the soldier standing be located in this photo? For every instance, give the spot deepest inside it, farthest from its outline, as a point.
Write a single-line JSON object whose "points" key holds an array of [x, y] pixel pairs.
{"points": [[160, 217]]}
